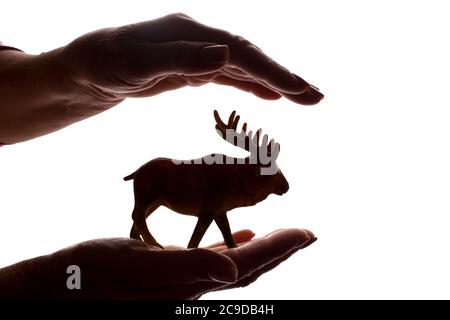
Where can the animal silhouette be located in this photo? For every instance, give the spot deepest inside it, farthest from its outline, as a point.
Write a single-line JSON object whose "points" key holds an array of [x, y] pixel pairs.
{"points": [[208, 187]]}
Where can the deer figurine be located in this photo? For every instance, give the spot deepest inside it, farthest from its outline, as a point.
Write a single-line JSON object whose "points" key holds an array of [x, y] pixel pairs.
{"points": [[208, 187]]}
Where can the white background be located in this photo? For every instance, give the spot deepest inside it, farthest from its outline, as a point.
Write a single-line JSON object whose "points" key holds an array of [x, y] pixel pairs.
{"points": [[368, 167]]}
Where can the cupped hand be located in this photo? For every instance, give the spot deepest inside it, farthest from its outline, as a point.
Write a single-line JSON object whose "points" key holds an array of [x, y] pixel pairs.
{"points": [[254, 258], [122, 268], [174, 51]]}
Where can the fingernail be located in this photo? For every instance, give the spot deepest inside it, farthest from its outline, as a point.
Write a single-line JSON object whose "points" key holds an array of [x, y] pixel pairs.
{"points": [[319, 94], [215, 54], [223, 274], [308, 86], [316, 92], [309, 233], [308, 242], [303, 84]]}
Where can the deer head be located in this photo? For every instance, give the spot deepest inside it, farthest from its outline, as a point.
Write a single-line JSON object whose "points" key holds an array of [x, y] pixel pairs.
{"points": [[262, 154]]}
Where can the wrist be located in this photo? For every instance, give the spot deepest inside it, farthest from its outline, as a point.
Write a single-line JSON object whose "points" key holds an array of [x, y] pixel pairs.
{"points": [[25, 280], [65, 71], [41, 94], [83, 76]]}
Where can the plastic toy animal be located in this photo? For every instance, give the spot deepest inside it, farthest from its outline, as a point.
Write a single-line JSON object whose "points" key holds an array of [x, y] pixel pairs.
{"points": [[208, 187]]}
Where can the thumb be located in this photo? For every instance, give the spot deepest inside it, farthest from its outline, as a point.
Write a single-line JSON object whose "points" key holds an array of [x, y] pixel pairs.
{"points": [[189, 58]]}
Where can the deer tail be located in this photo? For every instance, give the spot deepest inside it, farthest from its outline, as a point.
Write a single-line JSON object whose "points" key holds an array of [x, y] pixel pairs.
{"points": [[129, 177]]}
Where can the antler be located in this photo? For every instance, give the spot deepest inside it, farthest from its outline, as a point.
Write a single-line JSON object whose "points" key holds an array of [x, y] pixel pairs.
{"points": [[244, 140]]}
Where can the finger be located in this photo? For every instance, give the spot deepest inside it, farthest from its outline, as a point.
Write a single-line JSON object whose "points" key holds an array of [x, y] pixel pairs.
{"points": [[169, 83], [260, 252], [254, 63], [309, 97], [252, 87], [310, 233], [175, 82], [151, 268], [239, 236], [199, 288], [172, 82], [235, 71], [243, 282], [184, 57], [196, 289]]}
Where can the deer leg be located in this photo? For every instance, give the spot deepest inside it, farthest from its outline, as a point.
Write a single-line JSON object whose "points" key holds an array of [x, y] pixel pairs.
{"points": [[139, 217], [134, 232], [138, 211], [199, 231], [224, 226]]}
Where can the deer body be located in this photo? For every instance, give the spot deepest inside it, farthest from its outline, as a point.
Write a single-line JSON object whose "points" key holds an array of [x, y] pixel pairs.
{"points": [[202, 189]]}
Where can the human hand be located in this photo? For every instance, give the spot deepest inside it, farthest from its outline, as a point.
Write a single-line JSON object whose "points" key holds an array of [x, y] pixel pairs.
{"points": [[122, 268], [255, 257], [171, 52]]}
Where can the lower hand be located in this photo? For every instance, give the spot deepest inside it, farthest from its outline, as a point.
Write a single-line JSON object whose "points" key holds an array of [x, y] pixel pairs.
{"points": [[122, 268]]}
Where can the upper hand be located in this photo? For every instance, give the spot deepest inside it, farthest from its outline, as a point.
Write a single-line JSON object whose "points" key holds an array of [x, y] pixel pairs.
{"points": [[152, 57]]}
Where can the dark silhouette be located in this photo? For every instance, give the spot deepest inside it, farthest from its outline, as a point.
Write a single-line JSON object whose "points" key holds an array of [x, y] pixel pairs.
{"points": [[96, 72], [208, 187]]}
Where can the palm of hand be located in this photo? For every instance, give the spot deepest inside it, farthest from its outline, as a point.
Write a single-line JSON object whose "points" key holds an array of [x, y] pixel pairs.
{"points": [[123, 268]]}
